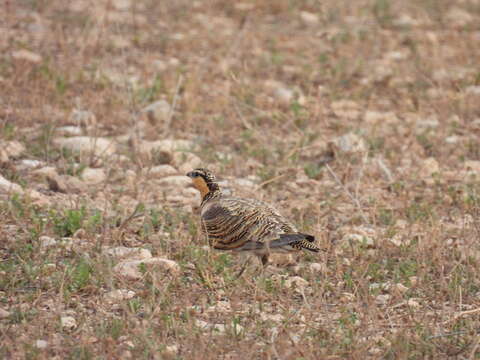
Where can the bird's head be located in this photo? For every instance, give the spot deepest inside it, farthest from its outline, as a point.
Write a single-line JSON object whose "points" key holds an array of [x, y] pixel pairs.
{"points": [[203, 180]]}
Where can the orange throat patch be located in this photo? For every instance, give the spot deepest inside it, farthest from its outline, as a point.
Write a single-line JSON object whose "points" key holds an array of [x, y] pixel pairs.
{"points": [[201, 186]]}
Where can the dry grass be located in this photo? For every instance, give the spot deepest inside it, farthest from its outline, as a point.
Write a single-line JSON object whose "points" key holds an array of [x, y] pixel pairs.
{"points": [[398, 215]]}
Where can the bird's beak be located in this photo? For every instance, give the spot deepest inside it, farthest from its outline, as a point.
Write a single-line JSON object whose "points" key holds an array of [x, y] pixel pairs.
{"points": [[190, 174]]}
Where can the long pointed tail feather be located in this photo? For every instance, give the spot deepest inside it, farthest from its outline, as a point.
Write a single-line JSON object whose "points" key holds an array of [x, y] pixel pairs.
{"points": [[305, 242], [300, 241], [309, 238]]}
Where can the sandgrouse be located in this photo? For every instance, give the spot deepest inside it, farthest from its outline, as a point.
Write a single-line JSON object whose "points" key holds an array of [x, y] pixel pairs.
{"points": [[245, 225]]}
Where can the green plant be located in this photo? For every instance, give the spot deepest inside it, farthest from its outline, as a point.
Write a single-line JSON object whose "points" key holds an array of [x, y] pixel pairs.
{"points": [[70, 221]]}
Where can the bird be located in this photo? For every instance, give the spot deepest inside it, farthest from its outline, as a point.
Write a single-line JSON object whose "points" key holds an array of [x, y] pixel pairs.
{"points": [[245, 225]]}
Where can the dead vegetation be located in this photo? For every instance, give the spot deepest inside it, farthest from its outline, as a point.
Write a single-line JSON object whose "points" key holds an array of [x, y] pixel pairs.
{"points": [[359, 119]]}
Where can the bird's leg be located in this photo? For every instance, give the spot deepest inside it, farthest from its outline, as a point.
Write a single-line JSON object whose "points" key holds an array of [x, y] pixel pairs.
{"points": [[265, 260], [261, 270], [242, 270]]}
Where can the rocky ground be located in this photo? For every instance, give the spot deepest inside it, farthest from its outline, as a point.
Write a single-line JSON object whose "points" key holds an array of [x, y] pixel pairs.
{"points": [[359, 120]]}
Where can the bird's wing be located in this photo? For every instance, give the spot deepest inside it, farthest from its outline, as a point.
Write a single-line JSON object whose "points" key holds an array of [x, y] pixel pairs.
{"points": [[232, 222]]}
